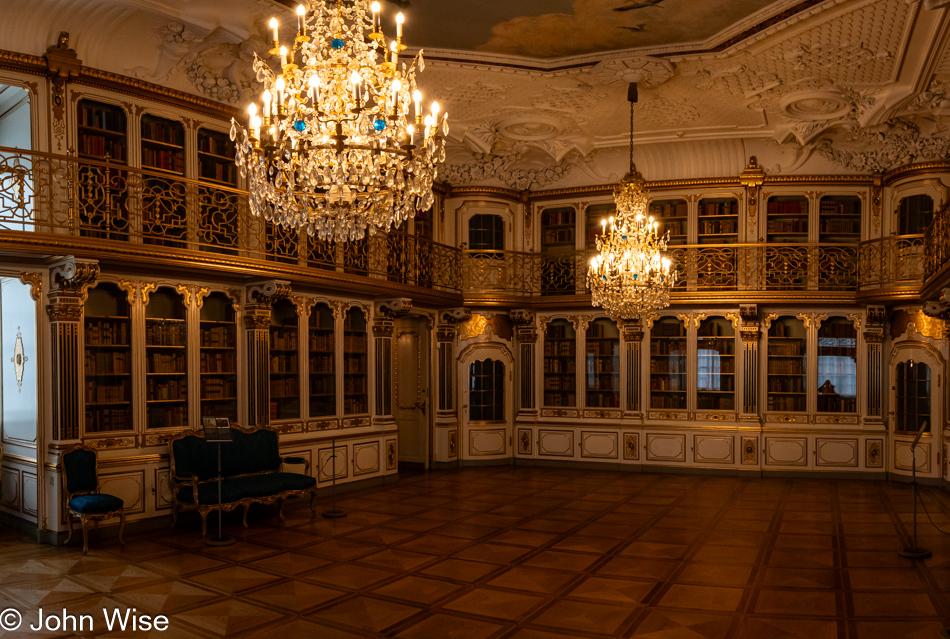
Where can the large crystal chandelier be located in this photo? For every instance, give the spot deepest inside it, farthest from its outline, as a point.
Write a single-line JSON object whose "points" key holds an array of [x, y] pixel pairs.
{"points": [[339, 144], [631, 277]]}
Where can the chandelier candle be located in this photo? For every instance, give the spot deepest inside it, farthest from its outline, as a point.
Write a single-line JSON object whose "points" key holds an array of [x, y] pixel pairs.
{"points": [[340, 147], [631, 276]]}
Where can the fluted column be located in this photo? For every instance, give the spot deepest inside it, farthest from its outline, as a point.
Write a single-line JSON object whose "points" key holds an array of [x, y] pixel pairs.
{"points": [[874, 341], [446, 444], [386, 313], [633, 345], [69, 282], [749, 332], [261, 298], [526, 334]]}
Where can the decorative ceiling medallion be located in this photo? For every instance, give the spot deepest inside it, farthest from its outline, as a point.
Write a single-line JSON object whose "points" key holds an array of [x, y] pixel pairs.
{"points": [[529, 128], [817, 105], [19, 360], [645, 71]]}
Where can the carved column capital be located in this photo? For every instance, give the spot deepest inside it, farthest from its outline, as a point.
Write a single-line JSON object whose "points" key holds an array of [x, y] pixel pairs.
{"points": [[266, 293], [632, 330], [257, 318], [455, 315], [394, 307], [73, 277]]}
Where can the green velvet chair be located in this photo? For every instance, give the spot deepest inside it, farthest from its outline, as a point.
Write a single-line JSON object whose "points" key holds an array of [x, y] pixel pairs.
{"points": [[84, 501]]}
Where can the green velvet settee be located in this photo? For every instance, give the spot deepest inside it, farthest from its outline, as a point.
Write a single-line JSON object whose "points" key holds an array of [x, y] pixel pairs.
{"points": [[251, 471]]}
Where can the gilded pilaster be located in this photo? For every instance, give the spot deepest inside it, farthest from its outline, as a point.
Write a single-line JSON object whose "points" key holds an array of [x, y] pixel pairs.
{"points": [[386, 312], [69, 281], [526, 334], [749, 332], [874, 342], [261, 298], [633, 341]]}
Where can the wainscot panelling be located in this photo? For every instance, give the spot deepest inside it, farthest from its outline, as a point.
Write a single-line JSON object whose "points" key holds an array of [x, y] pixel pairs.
{"points": [[365, 458], [786, 451], [487, 442], [840, 453], [556, 443], [599, 444], [666, 447], [714, 449]]}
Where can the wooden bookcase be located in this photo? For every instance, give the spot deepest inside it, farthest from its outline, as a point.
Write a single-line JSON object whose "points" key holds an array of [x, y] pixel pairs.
{"points": [[837, 366], [355, 363], [216, 158], [787, 371], [839, 219], [107, 361], [558, 241], [603, 365], [668, 364], [102, 134], [593, 227], [321, 340], [218, 208], [166, 360], [718, 221], [560, 364], [787, 220], [284, 362], [217, 344], [164, 218], [673, 217], [716, 365]]}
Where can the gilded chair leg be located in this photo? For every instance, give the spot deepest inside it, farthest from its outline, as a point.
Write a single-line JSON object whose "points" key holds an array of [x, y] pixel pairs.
{"points": [[69, 522], [85, 535], [247, 507], [313, 503], [280, 509], [174, 515], [121, 527], [204, 522]]}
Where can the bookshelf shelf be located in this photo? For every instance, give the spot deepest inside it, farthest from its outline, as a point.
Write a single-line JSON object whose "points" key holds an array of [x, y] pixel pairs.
{"points": [[668, 387], [560, 364], [787, 358], [673, 217], [716, 365], [787, 219], [284, 362], [355, 364], [322, 361], [166, 372], [107, 361], [839, 219], [837, 366], [102, 131], [603, 365], [217, 344], [558, 241]]}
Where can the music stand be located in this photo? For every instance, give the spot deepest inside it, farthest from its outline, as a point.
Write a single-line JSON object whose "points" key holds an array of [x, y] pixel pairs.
{"points": [[915, 552], [218, 431]]}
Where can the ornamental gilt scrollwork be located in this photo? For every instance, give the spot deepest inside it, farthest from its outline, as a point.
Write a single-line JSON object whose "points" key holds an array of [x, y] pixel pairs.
{"points": [[35, 282], [691, 318], [767, 320], [735, 318], [145, 289], [812, 319], [131, 289], [303, 304], [268, 292], [581, 322], [394, 307]]}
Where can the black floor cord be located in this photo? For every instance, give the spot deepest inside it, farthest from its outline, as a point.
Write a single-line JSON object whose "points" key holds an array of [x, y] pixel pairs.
{"points": [[920, 497]]}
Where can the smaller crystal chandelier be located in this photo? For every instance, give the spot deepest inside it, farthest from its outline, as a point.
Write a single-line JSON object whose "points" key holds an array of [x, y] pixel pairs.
{"points": [[631, 277], [339, 145]]}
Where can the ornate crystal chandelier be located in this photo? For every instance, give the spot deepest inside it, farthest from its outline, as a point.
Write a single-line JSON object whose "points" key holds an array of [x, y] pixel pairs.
{"points": [[631, 277], [339, 144]]}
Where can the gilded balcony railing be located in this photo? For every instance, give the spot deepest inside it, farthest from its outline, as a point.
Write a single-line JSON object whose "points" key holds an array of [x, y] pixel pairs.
{"points": [[705, 267], [892, 262], [54, 195], [937, 242]]}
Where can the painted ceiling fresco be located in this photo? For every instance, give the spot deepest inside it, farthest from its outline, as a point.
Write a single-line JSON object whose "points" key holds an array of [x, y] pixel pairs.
{"points": [[560, 28]]}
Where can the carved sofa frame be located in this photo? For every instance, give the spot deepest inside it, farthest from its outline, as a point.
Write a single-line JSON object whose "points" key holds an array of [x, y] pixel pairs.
{"points": [[185, 481]]}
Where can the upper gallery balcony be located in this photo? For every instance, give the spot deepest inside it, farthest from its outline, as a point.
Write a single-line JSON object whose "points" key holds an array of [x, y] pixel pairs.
{"points": [[54, 204]]}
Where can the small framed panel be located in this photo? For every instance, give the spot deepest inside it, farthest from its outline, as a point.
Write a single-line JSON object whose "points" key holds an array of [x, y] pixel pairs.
{"points": [[163, 491], [714, 449], [487, 442], [129, 487], [325, 464], [599, 445], [666, 447], [874, 453], [839, 453], [750, 451], [365, 458], [391, 459], [631, 446], [556, 443], [786, 451], [904, 458], [524, 441]]}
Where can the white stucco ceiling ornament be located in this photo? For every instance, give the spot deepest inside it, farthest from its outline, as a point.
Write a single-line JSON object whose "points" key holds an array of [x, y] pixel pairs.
{"points": [[531, 127], [936, 98], [895, 143], [821, 105], [488, 168], [667, 111], [817, 105], [832, 55], [478, 91], [646, 71]]}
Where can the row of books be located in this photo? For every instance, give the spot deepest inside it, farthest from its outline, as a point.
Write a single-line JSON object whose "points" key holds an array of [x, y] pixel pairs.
{"points": [[603, 400], [165, 363], [717, 227], [355, 405], [787, 226], [218, 362], [218, 388], [167, 416], [322, 385], [786, 349], [557, 217], [103, 119], [794, 404], [560, 399], [102, 420], [163, 159], [106, 333], [216, 145], [559, 349], [166, 389], [354, 385], [786, 385], [283, 339], [604, 365], [787, 207], [117, 391], [217, 171], [669, 209], [167, 132], [559, 383], [289, 387], [848, 227], [322, 342], [675, 383], [160, 333], [605, 383], [284, 363], [351, 365], [719, 208], [839, 207], [107, 363], [567, 366], [217, 337], [597, 330], [605, 348], [354, 343], [786, 367], [99, 145], [322, 365], [668, 402], [557, 236], [715, 402]]}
